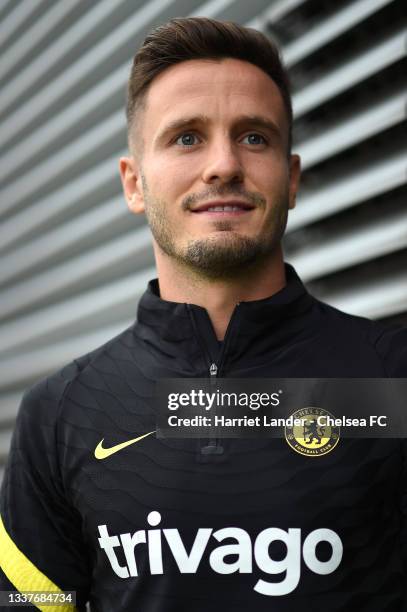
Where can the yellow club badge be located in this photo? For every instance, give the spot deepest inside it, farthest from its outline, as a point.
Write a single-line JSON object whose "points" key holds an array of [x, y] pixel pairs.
{"points": [[312, 433]]}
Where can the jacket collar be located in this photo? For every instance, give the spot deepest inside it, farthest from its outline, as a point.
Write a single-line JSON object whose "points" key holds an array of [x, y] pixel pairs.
{"points": [[256, 327]]}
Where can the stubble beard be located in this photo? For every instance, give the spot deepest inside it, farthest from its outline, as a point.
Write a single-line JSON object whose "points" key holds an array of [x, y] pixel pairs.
{"points": [[224, 256]]}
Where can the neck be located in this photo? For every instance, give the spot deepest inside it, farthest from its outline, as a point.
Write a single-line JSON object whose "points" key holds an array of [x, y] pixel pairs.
{"points": [[219, 296]]}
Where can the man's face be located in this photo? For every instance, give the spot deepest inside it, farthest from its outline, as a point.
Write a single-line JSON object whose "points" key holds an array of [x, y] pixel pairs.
{"points": [[214, 176]]}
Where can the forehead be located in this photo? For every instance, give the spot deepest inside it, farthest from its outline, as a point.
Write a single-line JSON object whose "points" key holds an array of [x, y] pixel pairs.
{"points": [[222, 87]]}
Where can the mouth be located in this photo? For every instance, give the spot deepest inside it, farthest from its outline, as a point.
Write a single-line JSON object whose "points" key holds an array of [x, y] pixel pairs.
{"points": [[232, 208]]}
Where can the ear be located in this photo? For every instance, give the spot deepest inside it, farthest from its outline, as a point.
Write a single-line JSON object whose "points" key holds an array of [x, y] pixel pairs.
{"points": [[295, 173], [130, 174]]}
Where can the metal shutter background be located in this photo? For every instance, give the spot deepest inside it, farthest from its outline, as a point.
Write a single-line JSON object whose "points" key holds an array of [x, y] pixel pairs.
{"points": [[74, 261]]}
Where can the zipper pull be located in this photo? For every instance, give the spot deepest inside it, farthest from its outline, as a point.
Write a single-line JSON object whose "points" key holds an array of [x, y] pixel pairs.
{"points": [[213, 370], [213, 447]]}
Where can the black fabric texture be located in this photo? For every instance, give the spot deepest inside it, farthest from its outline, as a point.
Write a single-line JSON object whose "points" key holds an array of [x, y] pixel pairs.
{"points": [[56, 495]]}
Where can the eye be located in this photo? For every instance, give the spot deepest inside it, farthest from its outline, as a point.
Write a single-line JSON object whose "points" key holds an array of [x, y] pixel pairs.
{"points": [[188, 139], [254, 139]]}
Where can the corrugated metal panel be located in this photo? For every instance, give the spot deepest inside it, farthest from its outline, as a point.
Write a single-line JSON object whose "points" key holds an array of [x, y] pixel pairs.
{"points": [[349, 230], [74, 262]]}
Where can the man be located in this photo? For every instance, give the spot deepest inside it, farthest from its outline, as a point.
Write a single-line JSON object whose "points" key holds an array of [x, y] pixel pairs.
{"points": [[92, 500]]}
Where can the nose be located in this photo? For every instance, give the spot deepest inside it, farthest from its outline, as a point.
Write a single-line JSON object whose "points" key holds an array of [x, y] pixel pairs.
{"points": [[223, 164]]}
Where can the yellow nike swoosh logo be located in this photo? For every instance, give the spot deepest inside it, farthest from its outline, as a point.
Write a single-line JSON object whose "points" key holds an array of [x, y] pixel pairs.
{"points": [[102, 453]]}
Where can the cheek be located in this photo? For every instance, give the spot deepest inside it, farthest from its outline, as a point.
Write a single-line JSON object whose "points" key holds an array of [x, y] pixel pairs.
{"points": [[170, 178], [269, 176]]}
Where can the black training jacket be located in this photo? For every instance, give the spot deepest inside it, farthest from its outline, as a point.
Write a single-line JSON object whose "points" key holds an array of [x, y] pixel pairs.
{"points": [[164, 525]]}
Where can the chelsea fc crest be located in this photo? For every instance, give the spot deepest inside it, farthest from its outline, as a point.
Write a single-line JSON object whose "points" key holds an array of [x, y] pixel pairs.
{"points": [[312, 432]]}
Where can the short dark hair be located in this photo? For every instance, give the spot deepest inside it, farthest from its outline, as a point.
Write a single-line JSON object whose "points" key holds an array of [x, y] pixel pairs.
{"points": [[192, 38]]}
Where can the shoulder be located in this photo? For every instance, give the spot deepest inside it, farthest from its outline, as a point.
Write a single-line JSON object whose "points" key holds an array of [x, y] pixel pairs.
{"points": [[45, 398], [366, 337]]}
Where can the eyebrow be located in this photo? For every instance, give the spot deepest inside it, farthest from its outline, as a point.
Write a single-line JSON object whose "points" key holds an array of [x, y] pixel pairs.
{"points": [[250, 120]]}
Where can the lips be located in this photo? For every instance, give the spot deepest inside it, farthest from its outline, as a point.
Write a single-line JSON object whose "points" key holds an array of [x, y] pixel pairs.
{"points": [[223, 207]]}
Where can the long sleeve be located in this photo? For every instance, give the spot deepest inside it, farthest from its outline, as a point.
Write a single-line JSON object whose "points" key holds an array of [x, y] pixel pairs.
{"points": [[41, 544]]}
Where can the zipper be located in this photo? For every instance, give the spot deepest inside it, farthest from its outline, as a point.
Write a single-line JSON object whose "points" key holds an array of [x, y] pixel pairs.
{"points": [[214, 446], [226, 341], [213, 371], [207, 356]]}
